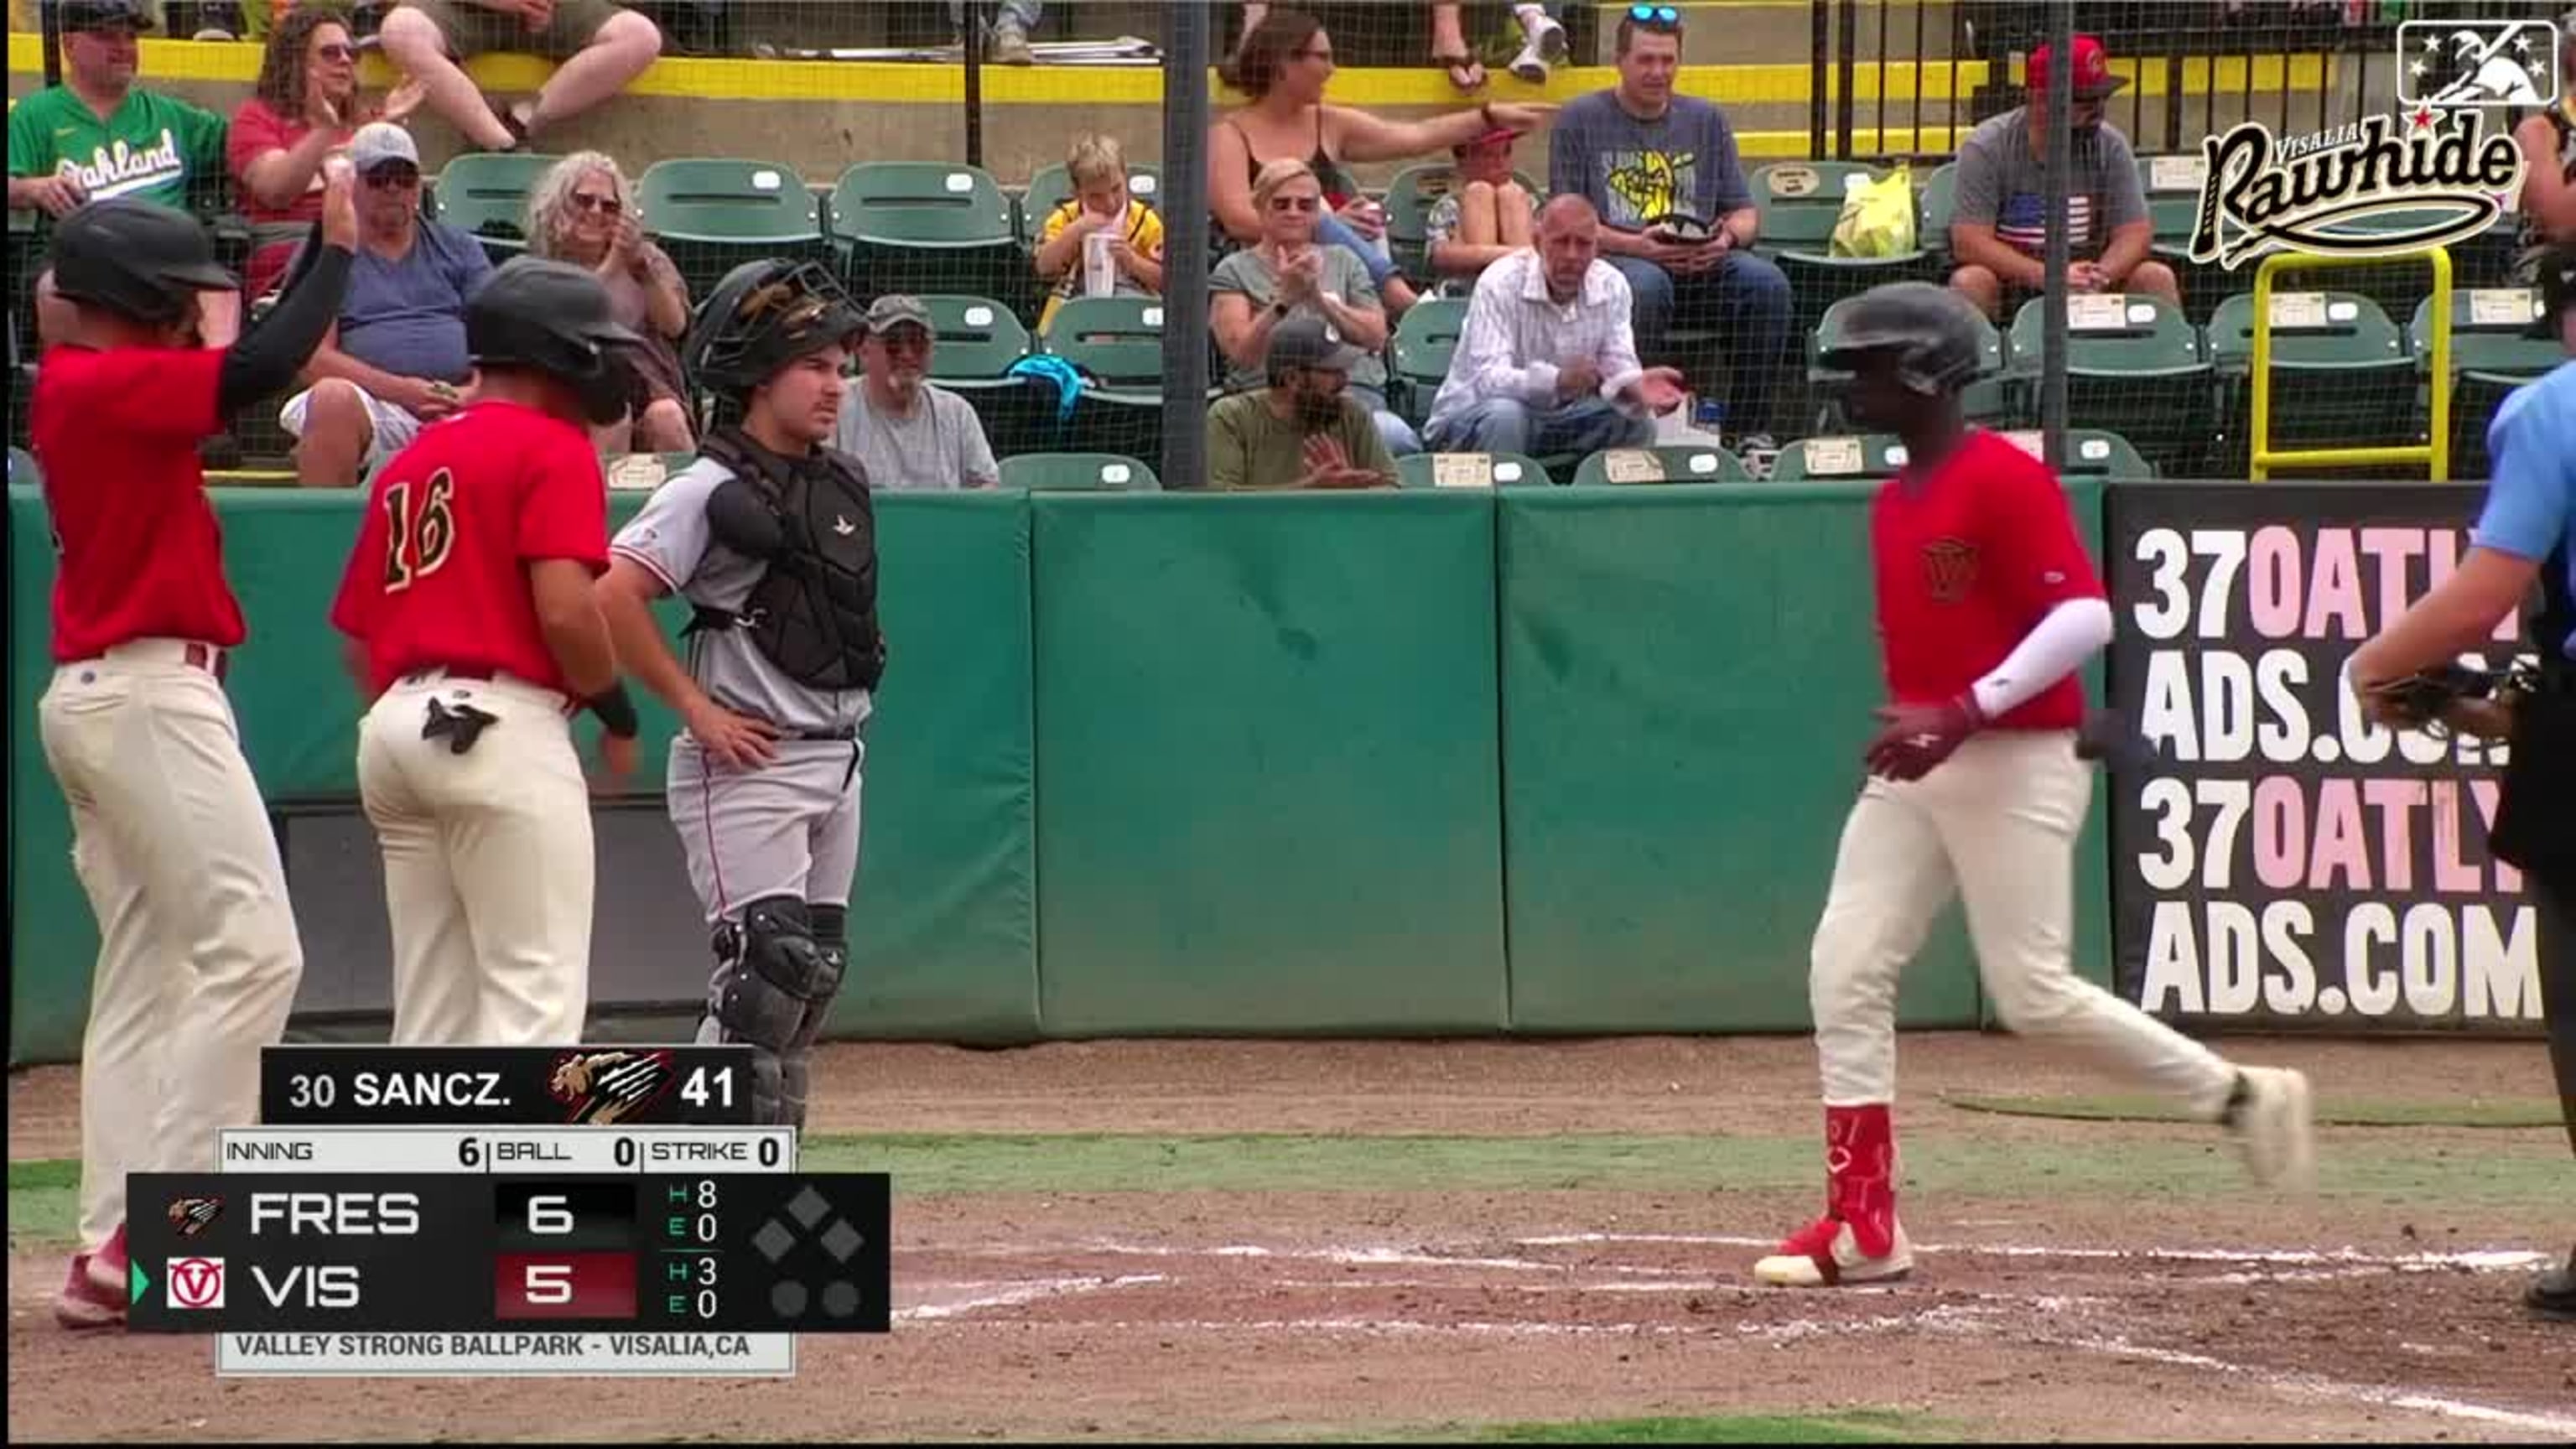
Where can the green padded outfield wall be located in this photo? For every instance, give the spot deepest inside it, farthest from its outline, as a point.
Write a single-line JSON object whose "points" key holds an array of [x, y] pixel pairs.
{"points": [[1266, 732], [1689, 675], [948, 942]]}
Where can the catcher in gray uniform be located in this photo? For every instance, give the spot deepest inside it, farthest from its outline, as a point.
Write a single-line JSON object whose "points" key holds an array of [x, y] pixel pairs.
{"points": [[771, 538]]}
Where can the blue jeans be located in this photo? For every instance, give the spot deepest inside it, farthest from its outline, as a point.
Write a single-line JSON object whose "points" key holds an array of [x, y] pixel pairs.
{"points": [[1507, 425], [1392, 429], [1332, 231], [1023, 11], [1746, 300]]}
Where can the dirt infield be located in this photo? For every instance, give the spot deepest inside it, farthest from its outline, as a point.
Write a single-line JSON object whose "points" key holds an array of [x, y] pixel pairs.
{"points": [[2050, 1300]]}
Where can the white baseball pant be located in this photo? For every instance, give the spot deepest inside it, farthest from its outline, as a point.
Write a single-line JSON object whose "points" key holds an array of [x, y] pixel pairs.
{"points": [[198, 956], [489, 872], [1995, 824]]}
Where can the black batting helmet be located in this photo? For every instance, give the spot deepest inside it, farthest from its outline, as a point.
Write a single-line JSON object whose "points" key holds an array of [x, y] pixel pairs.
{"points": [[763, 316], [1933, 331], [136, 259], [552, 317]]}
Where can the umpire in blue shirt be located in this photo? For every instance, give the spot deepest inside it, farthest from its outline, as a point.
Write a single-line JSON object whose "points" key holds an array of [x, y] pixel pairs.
{"points": [[2525, 534]]}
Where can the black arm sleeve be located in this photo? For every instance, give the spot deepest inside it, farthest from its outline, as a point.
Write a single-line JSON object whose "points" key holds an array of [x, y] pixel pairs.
{"points": [[266, 357]]}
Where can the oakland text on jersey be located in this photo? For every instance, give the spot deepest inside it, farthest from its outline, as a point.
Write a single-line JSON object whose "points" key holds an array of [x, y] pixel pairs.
{"points": [[119, 167]]}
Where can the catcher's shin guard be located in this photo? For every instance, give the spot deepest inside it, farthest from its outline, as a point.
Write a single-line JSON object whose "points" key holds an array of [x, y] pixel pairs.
{"points": [[770, 975], [830, 939]]}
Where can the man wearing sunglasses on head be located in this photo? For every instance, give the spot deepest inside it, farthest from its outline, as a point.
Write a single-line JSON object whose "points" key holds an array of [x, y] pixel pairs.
{"points": [[1677, 218], [396, 359]]}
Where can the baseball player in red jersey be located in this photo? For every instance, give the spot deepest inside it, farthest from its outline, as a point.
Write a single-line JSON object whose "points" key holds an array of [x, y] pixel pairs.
{"points": [[1987, 606], [198, 956], [469, 597]]}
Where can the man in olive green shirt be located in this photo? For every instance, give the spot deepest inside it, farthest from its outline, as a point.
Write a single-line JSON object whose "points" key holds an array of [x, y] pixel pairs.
{"points": [[1301, 431], [98, 134]]}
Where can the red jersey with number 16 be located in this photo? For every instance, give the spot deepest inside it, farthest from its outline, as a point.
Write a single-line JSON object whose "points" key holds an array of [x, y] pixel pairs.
{"points": [[1970, 556], [440, 575]]}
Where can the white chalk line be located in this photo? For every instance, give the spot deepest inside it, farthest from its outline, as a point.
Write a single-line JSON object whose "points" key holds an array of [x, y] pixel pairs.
{"points": [[2481, 1260], [1020, 1293], [1951, 1318], [2323, 1387]]}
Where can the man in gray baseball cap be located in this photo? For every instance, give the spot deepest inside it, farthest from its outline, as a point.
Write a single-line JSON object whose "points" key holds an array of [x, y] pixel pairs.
{"points": [[1303, 430], [906, 431]]}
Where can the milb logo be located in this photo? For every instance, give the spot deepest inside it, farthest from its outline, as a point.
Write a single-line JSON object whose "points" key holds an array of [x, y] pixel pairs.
{"points": [[2477, 63], [196, 1282]]}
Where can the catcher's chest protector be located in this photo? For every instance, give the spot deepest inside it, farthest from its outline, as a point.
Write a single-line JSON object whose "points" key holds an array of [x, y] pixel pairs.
{"points": [[814, 613]]}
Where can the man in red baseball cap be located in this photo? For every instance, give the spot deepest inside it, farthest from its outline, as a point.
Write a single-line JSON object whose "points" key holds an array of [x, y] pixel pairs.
{"points": [[1999, 233]]}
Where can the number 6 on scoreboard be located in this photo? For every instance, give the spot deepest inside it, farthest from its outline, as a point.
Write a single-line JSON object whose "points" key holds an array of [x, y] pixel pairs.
{"points": [[549, 1214]]}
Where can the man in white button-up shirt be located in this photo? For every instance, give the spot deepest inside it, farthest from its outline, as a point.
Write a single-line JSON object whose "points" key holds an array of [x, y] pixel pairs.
{"points": [[1547, 362]]}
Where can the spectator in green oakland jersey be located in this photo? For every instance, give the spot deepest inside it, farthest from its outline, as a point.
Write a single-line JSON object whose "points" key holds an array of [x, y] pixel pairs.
{"points": [[98, 135]]}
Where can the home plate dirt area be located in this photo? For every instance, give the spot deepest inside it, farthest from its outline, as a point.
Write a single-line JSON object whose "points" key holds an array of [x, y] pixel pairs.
{"points": [[1428, 1239]]}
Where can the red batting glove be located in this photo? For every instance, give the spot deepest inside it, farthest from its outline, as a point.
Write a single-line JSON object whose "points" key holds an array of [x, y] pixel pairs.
{"points": [[1917, 737]]}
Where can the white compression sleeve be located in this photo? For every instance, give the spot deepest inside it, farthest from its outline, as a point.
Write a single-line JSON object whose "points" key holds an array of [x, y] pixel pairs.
{"points": [[2072, 633]]}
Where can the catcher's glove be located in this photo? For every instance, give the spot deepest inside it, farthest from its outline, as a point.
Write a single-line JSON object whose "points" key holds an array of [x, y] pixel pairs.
{"points": [[2455, 699]]}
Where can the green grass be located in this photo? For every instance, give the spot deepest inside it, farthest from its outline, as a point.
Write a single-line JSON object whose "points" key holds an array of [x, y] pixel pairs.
{"points": [[2506, 1173], [2331, 1112]]}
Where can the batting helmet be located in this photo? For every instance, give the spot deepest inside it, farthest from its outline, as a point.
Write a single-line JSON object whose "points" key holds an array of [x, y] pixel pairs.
{"points": [[135, 259], [1934, 332], [763, 316], [552, 317]]}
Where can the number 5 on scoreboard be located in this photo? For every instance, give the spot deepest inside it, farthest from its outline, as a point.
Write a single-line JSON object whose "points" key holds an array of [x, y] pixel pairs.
{"points": [[547, 1283]]}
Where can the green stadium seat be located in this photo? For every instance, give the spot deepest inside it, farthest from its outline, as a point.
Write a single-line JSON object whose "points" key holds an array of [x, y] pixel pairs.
{"points": [[1471, 470], [1423, 344], [1994, 397], [2341, 377], [23, 469], [1119, 342], [1410, 195], [2134, 365], [1052, 187], [1079, 472], [1671, 463], [1940, 204], [978, 339], [2493, 351], [929, 226], [2172, 184], [1801, 203], [714, 215], [2090, 452], [486, 193]]}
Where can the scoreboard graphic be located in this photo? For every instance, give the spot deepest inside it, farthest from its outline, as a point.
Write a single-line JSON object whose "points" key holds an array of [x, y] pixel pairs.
{"points": [[591, 1211]]}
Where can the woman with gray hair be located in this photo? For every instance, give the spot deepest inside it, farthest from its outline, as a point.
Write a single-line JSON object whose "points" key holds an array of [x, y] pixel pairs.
{"points": [[583, 211]]}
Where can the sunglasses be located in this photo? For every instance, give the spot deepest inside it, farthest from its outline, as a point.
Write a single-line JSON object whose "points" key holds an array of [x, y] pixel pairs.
{"points": [[1655, 17], [1295, 203], [604, 205], [336, 52], [391, 178]]}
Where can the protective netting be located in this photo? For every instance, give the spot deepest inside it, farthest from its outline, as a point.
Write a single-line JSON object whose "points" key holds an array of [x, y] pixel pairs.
{"points": [[857, 133]]}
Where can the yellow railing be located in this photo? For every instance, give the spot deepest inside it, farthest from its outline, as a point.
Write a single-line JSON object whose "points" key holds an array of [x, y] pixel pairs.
{"points": [[2434, 454]]}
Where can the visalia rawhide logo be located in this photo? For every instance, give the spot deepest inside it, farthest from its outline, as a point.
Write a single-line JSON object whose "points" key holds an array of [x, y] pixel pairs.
{"points": [[2443, 173]]}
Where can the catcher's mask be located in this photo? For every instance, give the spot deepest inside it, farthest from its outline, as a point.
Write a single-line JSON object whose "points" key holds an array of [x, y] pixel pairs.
{"points": [[763, 316], [553, 317], [1932, 332]]}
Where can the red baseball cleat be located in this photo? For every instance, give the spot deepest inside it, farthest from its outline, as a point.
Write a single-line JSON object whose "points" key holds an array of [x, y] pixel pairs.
{"points": [[1825, 1254], [83, 1305], [107, 1266]]}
